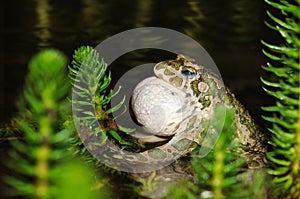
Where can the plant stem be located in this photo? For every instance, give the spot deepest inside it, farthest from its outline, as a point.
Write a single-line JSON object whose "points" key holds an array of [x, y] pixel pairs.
{"points": [[43, 152], [218, 169]]}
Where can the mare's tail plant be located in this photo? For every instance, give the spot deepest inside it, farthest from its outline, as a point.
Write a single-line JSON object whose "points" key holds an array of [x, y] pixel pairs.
{"points": [[220, 174], [284, 157], [42, 165], [90, 93], [91, 102]]}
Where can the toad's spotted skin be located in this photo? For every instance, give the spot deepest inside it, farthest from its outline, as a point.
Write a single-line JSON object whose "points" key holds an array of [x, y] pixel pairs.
{"points": [[179, 101]]}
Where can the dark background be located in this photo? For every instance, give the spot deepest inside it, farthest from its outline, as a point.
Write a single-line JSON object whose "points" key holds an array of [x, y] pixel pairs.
{"points": [[229, 30]]}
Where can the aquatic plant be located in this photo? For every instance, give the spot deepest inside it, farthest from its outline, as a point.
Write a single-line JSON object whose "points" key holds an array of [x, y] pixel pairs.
{"points": [[283, 85], [220, 174], [91, 97], [9, 130], [39, 159], [90, 93], [42, 164]]}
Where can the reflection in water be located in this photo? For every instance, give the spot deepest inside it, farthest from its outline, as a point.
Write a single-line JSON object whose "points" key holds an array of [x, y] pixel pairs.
{"points": [[143, 12], [228, 25], [195, 27], [231, 33], [91, 18], [245, 18], [43, 23], [90, 11], [229, 30]]}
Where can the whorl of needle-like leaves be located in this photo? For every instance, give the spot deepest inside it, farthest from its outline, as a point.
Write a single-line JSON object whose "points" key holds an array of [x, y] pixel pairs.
{"points": [[218, 175], [90, 92], [44, 145], [283, 85]]}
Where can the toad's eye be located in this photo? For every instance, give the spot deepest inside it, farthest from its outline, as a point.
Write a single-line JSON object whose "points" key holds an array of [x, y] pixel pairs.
{"points": [[189, 71]]}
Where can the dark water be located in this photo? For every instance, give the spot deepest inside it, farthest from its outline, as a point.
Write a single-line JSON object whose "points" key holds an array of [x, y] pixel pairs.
{"points": [[229, 30]]}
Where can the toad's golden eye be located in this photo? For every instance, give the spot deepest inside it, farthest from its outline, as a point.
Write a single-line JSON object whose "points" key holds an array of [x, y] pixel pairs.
{"points": [[189, 71]]}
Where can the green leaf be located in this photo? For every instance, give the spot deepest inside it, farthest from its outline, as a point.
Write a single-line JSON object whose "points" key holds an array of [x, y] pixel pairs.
{"points": [[115, 135], [104, 136], [281, 179], [126, 130], [116, 107], [281, 49], [105, 83], [287, 7], [282, 23], [273, 57], [281, 84], [279, 171], [280, 72], [278, 121], [284, 111], [21, 186], [24, 166], [273, 84], [271, 156], [280, 133], [282, 96]]}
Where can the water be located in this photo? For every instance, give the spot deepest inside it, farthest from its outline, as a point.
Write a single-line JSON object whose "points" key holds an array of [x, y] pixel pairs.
{"points": [[229, 30]]}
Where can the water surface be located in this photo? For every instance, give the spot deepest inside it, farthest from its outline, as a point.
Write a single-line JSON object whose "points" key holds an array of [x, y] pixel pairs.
{"points": [[229, 30]]}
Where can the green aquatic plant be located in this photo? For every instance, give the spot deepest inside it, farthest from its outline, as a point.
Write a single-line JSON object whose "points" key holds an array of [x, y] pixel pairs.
{"points": [[220, 174], [91, 84], [283, 85], [42, 162], [91, 98], [90, 93], [9, 130], [91, 80]]}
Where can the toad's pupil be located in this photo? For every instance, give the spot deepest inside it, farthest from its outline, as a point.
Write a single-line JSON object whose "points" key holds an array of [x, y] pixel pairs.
{"points": [[188, 73]]}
